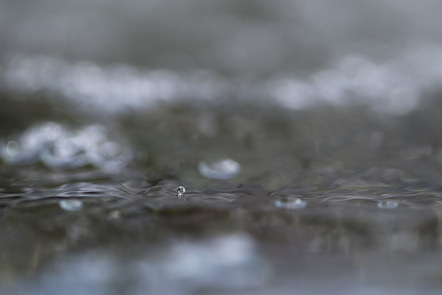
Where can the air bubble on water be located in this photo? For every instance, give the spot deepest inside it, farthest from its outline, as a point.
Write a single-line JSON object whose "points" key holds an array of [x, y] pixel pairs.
{"points": [[223, 169], [387, 204], [114, 215], [291, 203], [61, 148], [14, 152], [181, 190], [71, 205], [12, 149]]}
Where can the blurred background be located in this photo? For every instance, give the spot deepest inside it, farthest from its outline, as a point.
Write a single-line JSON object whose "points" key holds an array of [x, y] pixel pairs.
{"points": [[296, 52], [307, 135]]}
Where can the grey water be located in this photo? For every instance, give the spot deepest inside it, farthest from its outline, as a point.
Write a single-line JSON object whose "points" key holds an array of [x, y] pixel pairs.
{"points": [[220, 147]]}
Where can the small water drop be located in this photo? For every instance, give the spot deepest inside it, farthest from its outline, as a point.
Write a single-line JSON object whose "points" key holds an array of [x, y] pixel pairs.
{"points": [[71, 205], [387, 204], [181, 190], [222, 169], [291, 203]]}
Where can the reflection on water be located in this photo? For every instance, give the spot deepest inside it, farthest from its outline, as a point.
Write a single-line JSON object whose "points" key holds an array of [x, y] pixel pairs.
{"points": [[194, 147], [227, 263]]}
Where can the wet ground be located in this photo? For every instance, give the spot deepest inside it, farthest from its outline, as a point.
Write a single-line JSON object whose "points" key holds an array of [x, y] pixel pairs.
{"points": [[232, 149]]}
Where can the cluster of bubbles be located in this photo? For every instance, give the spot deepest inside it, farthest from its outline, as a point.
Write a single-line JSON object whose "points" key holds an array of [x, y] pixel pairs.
{"points": [[108, 89], [58, 147]]}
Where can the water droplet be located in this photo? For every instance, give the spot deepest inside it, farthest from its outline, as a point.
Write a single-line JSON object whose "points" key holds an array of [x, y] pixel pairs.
{"points": [[222, 169], [180, 191], [387, 204], [71, 205], [291, 203]]}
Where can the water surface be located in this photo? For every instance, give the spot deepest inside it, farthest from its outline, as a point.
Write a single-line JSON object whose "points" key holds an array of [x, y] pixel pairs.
{"points": [[183, 147]]}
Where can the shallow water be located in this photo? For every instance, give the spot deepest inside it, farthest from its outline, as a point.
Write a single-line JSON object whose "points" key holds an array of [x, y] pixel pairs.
{"points": [[273, 160]]}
